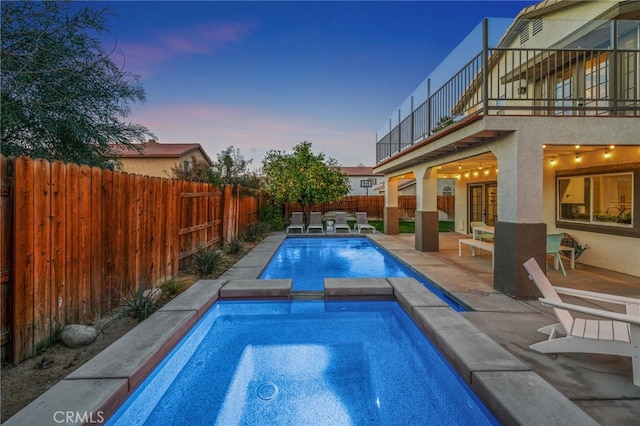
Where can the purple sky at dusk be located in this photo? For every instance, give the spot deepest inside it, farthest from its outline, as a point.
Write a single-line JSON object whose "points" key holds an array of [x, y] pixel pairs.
{"points": [[268, 75]]}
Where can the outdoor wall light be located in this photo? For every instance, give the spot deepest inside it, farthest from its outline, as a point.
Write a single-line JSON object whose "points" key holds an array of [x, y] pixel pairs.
{"points": [[578, 158], [553, 161], [607, 154], [522, 90]]}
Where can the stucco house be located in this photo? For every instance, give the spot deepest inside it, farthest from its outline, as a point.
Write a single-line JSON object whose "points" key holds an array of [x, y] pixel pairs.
{"points": [[537, 119], [157, 159]]}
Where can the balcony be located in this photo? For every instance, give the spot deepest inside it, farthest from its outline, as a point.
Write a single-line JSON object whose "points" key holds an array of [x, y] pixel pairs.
{"points": [[592, 70]]}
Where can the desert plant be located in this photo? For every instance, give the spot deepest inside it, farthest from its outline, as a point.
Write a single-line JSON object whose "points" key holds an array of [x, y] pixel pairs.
{"points": [[171, 287], [235, 245], [206, 261], [256, 230], [139, 303]]}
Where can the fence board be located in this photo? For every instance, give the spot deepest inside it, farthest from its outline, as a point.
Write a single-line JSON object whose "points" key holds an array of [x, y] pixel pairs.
{"points": [[84, 257], [42, 251], [72, 299], [58, 246], [108, 213], [95, 271], [6, 253], [23, 227]]}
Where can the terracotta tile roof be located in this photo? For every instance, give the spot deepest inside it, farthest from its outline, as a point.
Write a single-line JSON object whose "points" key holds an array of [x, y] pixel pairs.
{"points": [[359, 171], [153, 149]]}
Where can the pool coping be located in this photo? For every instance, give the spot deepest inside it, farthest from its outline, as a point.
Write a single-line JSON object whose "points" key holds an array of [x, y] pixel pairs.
{"points": [[510, 389]]}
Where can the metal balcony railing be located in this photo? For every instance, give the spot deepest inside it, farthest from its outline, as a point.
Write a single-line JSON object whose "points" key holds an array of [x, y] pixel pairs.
{"points": [[523, 81]]}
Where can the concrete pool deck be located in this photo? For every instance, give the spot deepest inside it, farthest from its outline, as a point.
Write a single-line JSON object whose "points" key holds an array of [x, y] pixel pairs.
{"points": [[488, 346]]}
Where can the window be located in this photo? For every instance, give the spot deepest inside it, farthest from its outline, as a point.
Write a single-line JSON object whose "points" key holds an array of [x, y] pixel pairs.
{"points": [[563, 92], [605, 199], [447, 190], [188, 166]]}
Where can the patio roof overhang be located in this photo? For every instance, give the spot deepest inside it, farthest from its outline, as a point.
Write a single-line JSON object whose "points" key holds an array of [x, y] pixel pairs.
{"points": [[470, 132]]}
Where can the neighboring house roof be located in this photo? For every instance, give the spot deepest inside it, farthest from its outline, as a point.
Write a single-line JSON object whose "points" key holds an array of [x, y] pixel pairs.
{"points": [[359, 171], [153, 149]]}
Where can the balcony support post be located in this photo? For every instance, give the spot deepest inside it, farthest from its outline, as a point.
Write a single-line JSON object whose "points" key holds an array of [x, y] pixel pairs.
{"points": [[614, 67], [485, 67], [428, 107]]}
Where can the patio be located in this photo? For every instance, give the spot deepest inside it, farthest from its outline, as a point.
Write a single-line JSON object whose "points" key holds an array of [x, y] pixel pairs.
{"points": [[599, 384]]}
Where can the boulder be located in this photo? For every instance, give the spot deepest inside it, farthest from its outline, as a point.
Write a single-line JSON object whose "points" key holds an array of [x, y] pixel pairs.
{"points": [[153, 294], [77, 335]]}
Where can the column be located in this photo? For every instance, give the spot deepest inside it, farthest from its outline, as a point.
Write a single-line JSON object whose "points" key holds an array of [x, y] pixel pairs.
{"points": [[520, 232], [391, 213], [427, 237]]}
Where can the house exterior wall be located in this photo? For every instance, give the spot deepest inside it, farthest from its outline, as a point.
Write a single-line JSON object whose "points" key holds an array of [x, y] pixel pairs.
{"points": [[614, 252], [158, 166]]}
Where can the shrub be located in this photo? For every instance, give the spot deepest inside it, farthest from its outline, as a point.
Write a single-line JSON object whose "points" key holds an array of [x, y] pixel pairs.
{"points": [[138, 304], [256, 230], [171, 287], [272, 215], [206, 261], [235, 245]]}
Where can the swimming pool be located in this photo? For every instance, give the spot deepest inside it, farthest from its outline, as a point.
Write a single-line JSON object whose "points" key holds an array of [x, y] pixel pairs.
{"points": [[308, 261], [304, 362]]}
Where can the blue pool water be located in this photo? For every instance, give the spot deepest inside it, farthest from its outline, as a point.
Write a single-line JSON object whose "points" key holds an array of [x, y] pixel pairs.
{"points": [[308, 261], [304, 363]]}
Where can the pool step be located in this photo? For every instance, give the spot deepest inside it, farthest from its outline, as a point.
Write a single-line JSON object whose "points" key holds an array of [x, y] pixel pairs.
{"points": [[307, 295]]}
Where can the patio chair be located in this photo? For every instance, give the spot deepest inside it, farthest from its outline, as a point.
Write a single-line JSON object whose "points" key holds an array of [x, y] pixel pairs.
{"points": [[482, 236], [362, 222], [553, 248], [297, 222], [616, 334], [315, 223], [341, 223]]}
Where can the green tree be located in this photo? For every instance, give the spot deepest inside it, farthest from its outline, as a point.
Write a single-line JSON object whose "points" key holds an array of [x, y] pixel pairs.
{"points": [[231, 168], [63, 98], [303, 177]]}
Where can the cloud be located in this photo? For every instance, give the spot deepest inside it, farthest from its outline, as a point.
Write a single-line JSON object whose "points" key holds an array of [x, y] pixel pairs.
{"points": [[255, 132], [207, 39]]}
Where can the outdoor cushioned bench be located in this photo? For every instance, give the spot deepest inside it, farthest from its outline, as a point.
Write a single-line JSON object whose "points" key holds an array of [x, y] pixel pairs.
{"points": [[474, 244]]}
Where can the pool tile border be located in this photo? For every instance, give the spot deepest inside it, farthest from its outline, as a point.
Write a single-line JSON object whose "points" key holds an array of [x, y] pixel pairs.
{"points": [[499, 378]]}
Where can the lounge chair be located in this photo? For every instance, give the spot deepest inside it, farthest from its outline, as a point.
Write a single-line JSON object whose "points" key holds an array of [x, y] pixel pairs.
{"points": [[479, 235], [362, 222], [553, 247], [297, 222], [341, 222], [617, 334], [315, 222]]}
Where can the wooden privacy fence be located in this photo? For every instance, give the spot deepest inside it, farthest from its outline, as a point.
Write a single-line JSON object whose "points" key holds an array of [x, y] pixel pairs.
{"points": [[76, 239], [374, 206]]}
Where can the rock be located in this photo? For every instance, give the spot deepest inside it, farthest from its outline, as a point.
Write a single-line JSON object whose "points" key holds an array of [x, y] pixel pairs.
{"points": [[76, 335], [153, 294]]}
